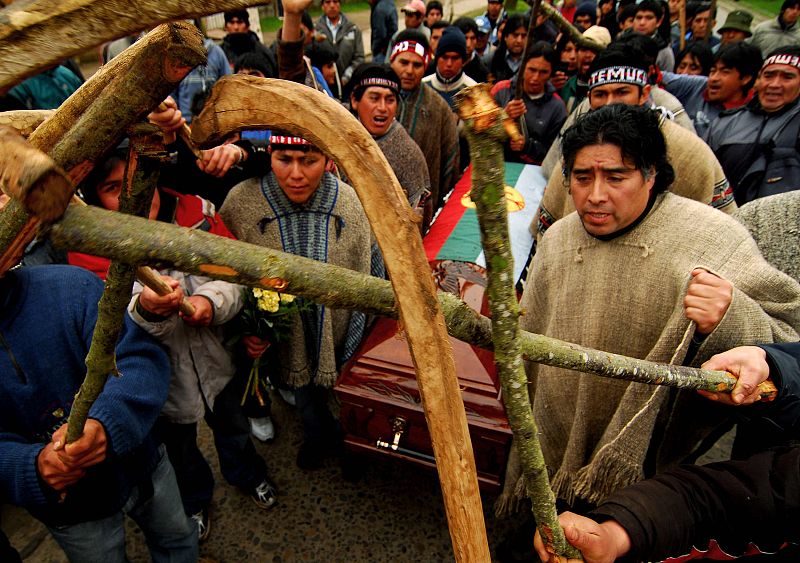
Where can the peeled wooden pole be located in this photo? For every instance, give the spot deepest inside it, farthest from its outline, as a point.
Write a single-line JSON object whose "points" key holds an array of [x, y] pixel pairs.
{"points": [[243, 102], [95, 117], [486, 136], [32, 177], [25, 121], [49, 32], [682, 23]]}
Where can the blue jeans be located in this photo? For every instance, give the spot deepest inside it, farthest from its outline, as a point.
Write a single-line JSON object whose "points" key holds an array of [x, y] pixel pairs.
{"points": [[170, 535]]}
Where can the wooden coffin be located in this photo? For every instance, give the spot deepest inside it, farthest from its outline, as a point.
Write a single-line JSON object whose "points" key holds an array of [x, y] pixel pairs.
{"points": [[381, 410]]}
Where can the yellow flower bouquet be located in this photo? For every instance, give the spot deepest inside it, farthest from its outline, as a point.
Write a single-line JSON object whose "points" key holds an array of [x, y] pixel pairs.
{"points": [[269, 316]]}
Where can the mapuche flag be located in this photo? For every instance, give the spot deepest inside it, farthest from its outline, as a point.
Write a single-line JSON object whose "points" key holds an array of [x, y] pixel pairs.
{"points": [[455, 235]]}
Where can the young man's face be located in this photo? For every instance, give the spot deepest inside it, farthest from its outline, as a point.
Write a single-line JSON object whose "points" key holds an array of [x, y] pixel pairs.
{"points": [[777, 86], [449, 64], [645, 22], [674, 10], [376, 109], [537, 73], [432, 16], [472, 41], [515, 41], [701, 24], [689, 65], [725, 83], [481, 40], [730, 36], [609, 193], [494, 9], [618, 93], [332, 9], [237, 25], [570, 56], [585, 59], [328, 71], [109, 190], [583, 22], [413, 19], [298, 172], [791, 14], [626, 24], [436, 34], [410, 68]]}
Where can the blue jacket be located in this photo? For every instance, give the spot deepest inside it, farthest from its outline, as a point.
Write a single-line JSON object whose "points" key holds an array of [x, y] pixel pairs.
{"points": [[383, 24], [201, 79], [47, 316], [47, 90]]}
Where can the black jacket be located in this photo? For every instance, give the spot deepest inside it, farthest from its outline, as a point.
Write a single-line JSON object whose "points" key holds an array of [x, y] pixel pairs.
{"points": [[733, 504]]}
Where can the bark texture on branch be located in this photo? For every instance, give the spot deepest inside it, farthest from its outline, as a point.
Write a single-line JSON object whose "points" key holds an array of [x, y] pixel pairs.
{"points": [[25, 121], [555, 16], [130, 239], [49, 32], [141, 180], [32, 177], [488, 193], [94, 118]]}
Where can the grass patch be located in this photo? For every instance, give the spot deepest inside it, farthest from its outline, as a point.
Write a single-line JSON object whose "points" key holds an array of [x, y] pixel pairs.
{"points": [[274, 24], [768, 8]]}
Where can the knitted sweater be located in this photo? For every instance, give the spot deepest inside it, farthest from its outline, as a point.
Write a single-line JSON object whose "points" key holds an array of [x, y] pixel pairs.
{"points": [[252, 212], [698, 176], [596, 432], [47, 318], [407, 162], [774, 223], [429, 121]]}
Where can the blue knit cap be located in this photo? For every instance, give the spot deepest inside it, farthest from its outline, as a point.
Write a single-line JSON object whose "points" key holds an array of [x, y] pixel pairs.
{"points": [[452, 41]]}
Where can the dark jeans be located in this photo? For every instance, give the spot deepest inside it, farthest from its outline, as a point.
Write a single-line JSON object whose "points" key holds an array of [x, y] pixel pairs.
{"points": [[319, 425], [240, 463], [170, 535]]}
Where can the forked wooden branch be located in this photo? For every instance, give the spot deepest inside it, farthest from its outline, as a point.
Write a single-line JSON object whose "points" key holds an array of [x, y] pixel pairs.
{"points": [[49, 32], [486, 139], [579, 39], [95, 117], [141, 181], [243, 102]]}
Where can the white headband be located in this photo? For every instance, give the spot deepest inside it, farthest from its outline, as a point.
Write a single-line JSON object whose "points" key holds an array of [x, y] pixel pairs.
{"points": [[617, 75]]}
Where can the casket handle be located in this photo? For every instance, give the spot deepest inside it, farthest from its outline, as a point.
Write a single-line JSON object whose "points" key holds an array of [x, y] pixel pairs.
{"points": [[399, 426]]}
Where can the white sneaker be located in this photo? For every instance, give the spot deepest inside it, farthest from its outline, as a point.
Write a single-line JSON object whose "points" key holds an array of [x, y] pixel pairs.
{"points": [[288, 396], [262, 428]]}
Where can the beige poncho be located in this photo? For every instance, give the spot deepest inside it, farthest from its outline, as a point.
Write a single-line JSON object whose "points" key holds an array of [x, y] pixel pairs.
{"points": [[698, 176], [626, 296], [254, 218]]}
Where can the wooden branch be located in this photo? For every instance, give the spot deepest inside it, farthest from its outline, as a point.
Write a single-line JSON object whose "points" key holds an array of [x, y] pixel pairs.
{"points": [[579, 39], [95, 117], [529, 41], [243, 102], [141, 181], [682, 16], [105, 233], [32, 177], [149, 277], [49, 32], [25, 121], [488, 193]]}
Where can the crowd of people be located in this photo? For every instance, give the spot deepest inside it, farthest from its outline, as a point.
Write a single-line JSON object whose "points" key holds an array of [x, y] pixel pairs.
{"points": [[667, 231]]}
